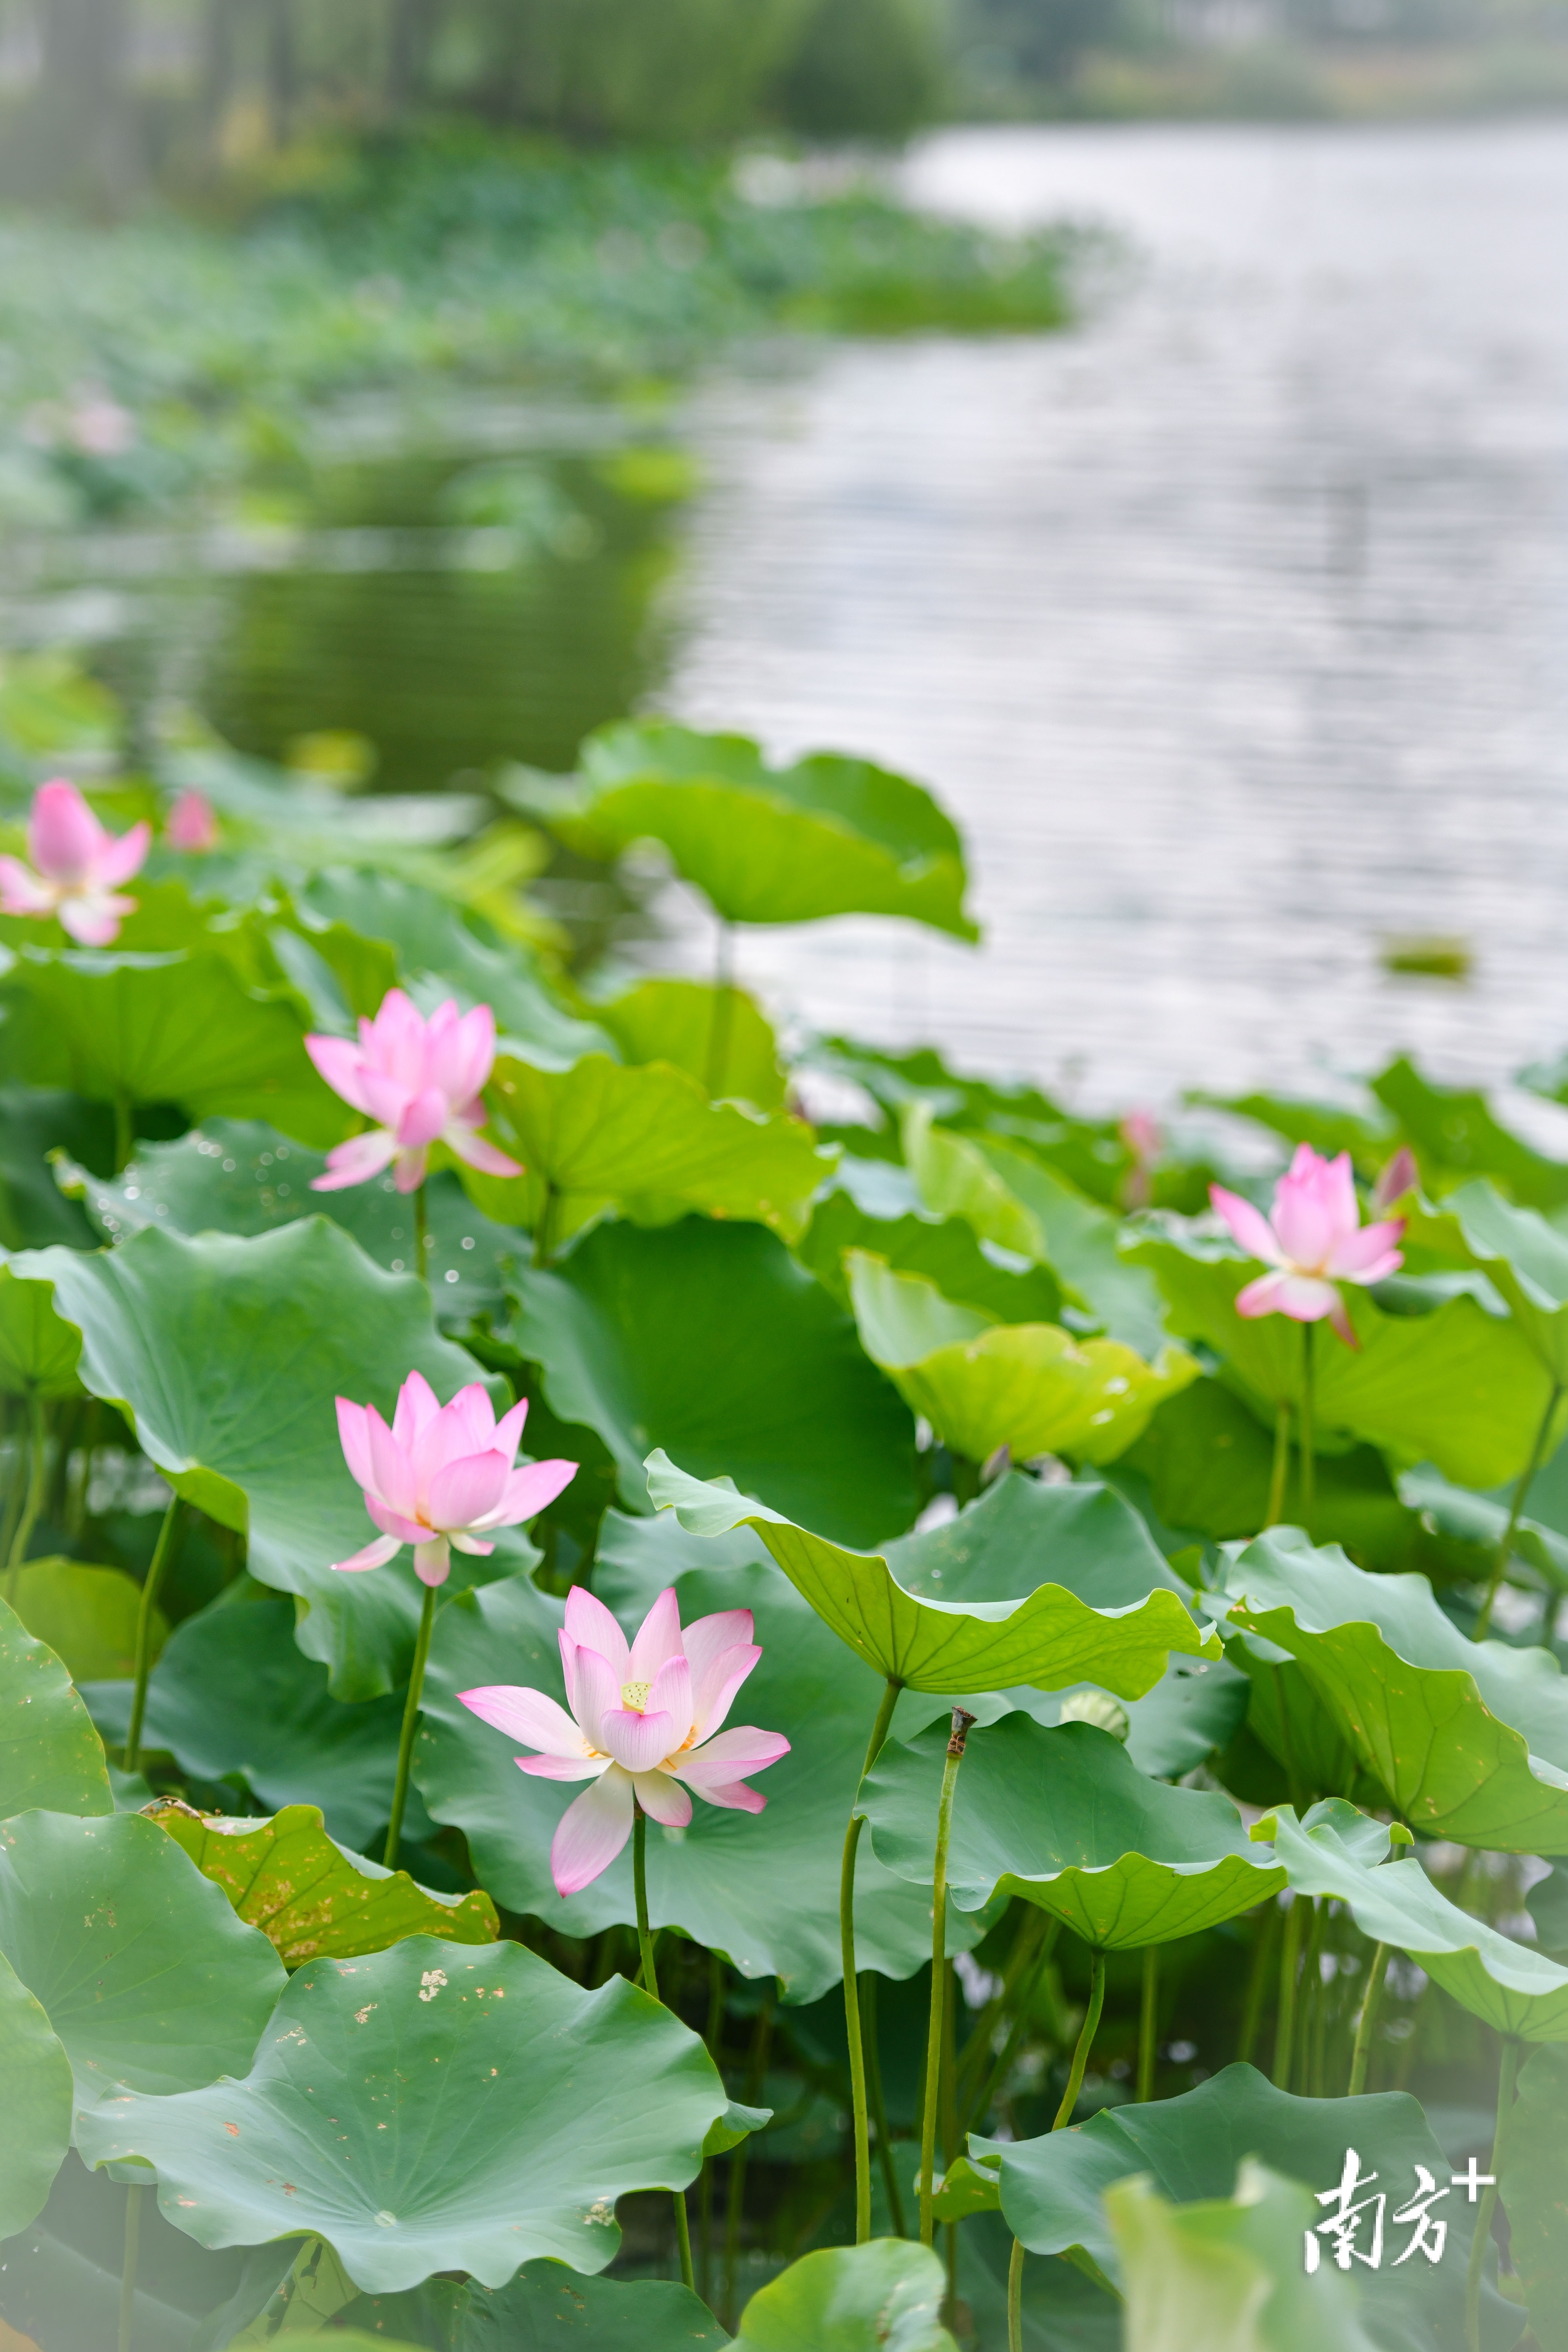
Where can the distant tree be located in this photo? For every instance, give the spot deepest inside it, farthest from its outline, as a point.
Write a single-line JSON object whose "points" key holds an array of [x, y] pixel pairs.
{"points": [[864, 69]]}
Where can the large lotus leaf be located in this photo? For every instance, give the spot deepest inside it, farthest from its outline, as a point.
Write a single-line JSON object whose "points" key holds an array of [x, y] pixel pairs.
{"points": [[1045, 1637], [762, 1889], [145, 1974], [1458, 1386], [60, 2279], [1534, 2184], [233, 1695], [1357, 1124], [1523, 1258], [309, 1897], [1455, 1135], [544, 2305], [522, 2107], [946, 1251], [38, 1352], [1228, 2272], [51, 1756], [886, 2296], [240, 1176], [1031, 1387], [1310, 1742], [1469, 1739], [1192, 2148], [86, 1615], [180, 1027], [35, 1121], [227, 1354], [646, 1139], [1066, 1820], [708, 1339], [675, 1021], [1337, 1853], [36, 2074], [827, 836]]}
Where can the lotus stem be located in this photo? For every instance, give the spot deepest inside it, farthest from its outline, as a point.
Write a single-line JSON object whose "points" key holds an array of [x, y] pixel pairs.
{"points": [[851, 1989], [650, 1985], [956, 1738], [1016, 2298], [1090, 2028], [1148, 2023], [895, 2195], [410, 1724], [756, 2078], [1031, 1927], [23, 1535], [125, 1133], [128, 2268], [1516, 1510], [714, 2038], [977, 2106], [1507, 2071], [1304, 1439], [421, 1236], [1257, 1979], [1361, 2055], [723, 1005], [1281, 1467], [1315, 2017], [1285, 2024], [162, 1551]]}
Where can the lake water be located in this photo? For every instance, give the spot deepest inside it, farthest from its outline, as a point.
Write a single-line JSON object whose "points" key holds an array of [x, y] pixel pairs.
{"points": [[1233, 627]]}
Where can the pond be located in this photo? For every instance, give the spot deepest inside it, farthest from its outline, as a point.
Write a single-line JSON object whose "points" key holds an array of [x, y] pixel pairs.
{"points": [[1230, 625]]}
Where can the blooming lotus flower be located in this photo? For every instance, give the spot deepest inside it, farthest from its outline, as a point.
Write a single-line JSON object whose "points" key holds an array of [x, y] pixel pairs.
{"points": [[644, 1720], [75, 864], [442, 1475], [191, 823], [421, 1082], [1313, 1239]]}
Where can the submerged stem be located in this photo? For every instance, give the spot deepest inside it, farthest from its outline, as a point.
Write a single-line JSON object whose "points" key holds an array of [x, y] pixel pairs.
{"points": [[894, 2194], [1016, 2298], [131, 1757], [1090, 2028], [128, 2267], [1507, 2071], [1285, 2024], [1361, 2055], [1281, 1467], [1516, 1510], [1257, 1979], [1304, 1436], [32, 1505], [959, 1733], [125, 1133], [650, 1985], [851, 1989], [410, 1724], [1148, 2023]]}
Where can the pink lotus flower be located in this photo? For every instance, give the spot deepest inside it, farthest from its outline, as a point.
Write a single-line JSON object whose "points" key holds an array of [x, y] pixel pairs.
{"points": [[421, 1081], [442, 1475], [644, 1723], [76, 866], [1401, 1176], [1313, 1239], [191, 823]]}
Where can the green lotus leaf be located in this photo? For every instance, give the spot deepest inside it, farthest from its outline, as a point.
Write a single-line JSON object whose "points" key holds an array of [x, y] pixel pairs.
{"points": [[1228, 2271], [882, 2297], [1534, 2186], [1335, 1851], [966, 2188], [945, 1250], [311, 1898], [60, 2278], [710, 1340], [1065, 1819], [240, 1176], [1358, 1125], [36, 2074], [233, 1696], [647, 1140], [144, 1972], [544, 2305], [1469, 1739], [86, 1615], [1310, 1742], [1031, 1387], [1458, 1386], [180, 1027], [1190, 2147], [675, 1021], [1547, 1903], [827, 836], [762, 1889], [1455, 1134], [227, 1354], [737, 2123], [51, 1756], [1523, 1258], [35, 1121], [38, 1351], [524, 2107], [980, 1641]]}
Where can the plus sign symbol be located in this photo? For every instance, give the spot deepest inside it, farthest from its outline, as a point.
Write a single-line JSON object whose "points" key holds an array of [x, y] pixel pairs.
{"points": [[1472, 2180]]}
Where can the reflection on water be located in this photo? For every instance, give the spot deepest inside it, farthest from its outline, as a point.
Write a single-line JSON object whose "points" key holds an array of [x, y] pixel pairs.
{"points": [[1232, 627]]}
